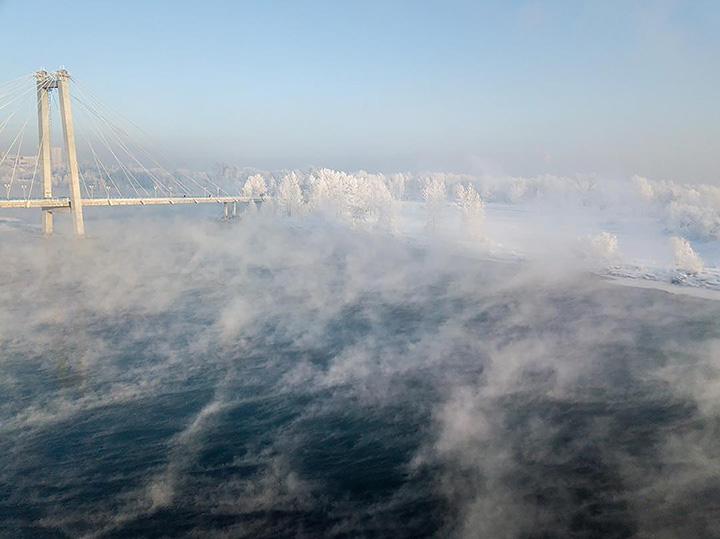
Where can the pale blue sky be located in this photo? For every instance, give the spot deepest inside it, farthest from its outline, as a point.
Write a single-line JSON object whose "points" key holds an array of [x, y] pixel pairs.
{"points": [[518, 87]]}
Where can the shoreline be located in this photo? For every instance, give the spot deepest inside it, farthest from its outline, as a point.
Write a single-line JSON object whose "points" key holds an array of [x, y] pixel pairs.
{"points": [[692, 291]]}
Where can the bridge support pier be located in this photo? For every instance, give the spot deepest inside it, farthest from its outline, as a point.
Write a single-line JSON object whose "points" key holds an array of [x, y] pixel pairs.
{"points": [[226, 210], [234, 210], [47, 222]]}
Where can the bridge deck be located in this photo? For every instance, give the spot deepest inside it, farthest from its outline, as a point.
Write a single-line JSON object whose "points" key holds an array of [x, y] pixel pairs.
{"points": [[50, 203]]}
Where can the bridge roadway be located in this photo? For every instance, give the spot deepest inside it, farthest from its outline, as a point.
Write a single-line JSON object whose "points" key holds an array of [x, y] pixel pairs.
{"points": [[60, 203]]}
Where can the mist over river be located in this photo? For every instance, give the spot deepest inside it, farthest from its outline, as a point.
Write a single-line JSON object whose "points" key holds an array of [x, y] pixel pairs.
{"points": [[181, 377]]}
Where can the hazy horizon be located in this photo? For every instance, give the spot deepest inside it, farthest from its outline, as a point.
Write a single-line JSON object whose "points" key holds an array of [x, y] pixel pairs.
{"points": [[519, 88]]}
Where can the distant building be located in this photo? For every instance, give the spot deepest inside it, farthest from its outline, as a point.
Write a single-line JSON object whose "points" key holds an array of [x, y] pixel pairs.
{"points": [[56, 156]]}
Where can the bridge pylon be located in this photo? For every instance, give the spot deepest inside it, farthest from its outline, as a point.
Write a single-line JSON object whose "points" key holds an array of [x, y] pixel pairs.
{"points": [[46, 82]]}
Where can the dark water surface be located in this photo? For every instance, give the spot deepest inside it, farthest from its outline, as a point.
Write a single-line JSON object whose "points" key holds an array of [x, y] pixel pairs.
{"points": [[268, 381]]}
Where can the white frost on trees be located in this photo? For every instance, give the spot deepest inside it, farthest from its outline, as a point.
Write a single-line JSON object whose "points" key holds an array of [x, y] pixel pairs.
{"points": [[472, 209], [604, 246], [320, 198], [372, 201], [434, 196], [330, 192], [685, 258], [396, 185], [601, 249], [289, 196], [255, 186], [357, 198]]}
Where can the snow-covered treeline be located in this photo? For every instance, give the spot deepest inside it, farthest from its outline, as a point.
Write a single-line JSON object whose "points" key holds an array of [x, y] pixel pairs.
{"points": [[686, 210], [691, 211]]}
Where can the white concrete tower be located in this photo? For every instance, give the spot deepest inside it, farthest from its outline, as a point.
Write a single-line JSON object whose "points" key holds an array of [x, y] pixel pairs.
{"points": [[44, 83], [62, 77]]}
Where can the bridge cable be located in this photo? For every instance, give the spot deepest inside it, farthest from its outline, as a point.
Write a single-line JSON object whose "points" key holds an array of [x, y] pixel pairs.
{"points": [[57, 107], [19, 149], [10, 87], [18, 80], [18, 136], [18, 97], [8, 91], [117, 131], [128, 175], [159, 147], [156, 182], [98, 165], [7, 120]]}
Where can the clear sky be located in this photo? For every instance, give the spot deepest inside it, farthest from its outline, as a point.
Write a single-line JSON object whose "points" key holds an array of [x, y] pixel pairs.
{"points": [[516, 87]]}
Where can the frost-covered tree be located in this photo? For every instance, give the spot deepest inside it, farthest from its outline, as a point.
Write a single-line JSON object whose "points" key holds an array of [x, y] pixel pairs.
{"points": [[472, 209], [685, 258], [604, 246], [434, 197], [289, 195], [319, 197], [329, 192], [357, 198], [255, 186], [601, 249], [373, 200], [396, 185]]}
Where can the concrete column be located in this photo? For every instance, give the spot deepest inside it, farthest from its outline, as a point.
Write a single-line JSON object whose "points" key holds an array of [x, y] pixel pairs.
{"points": [[234, 211], [43, 97], [226, 210], [72, 165]]}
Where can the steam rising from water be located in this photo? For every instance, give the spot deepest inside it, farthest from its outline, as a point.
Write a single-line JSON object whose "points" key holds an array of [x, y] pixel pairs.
{"points": [[201, 379]]}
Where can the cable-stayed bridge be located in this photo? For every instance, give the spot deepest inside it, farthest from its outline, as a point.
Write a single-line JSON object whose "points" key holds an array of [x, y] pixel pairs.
{"points": [[121, 165]]}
